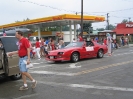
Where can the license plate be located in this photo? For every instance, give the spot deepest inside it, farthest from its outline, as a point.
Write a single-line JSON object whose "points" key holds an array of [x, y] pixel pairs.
{"points": [[51, 57]]}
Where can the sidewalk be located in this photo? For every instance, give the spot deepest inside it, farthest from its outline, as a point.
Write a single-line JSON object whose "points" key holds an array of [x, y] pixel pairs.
{"points": [[130, 45], [126, 46]]}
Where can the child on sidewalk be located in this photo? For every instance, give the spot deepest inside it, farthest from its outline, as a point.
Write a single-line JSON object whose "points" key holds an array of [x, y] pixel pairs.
{"points": [[33, 51]]}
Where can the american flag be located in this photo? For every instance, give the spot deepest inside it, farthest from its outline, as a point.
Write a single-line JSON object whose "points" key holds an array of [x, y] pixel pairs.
{"points": [[4, 33]]}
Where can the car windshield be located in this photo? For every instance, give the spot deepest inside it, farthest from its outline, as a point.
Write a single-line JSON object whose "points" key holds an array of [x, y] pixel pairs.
{"points": [[74, 44]]}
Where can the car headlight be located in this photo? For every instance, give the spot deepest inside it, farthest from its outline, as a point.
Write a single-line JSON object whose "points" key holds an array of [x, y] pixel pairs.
{"points": [[60, 53]]}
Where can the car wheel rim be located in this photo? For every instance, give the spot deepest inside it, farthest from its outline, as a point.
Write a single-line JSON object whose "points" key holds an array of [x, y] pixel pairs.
{"points": [[101, 53], [17, 75], [75, 57]]}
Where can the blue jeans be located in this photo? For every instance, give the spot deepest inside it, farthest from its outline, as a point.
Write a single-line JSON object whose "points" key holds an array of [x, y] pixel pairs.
{"points": [[22, 65]]}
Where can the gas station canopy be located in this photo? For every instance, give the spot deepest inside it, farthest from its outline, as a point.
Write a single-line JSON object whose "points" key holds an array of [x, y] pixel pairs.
{"points": [[58, 20]]}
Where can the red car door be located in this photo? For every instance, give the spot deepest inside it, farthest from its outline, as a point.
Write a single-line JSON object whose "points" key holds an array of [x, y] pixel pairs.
{"points": [[90, 49]]}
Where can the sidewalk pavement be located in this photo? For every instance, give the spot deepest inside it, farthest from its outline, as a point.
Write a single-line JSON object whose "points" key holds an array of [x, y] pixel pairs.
{"points": [[130, 45]]}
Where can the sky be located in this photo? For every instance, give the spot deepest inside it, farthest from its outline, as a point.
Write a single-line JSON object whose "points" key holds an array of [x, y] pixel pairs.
{"points": [[13, 10]]}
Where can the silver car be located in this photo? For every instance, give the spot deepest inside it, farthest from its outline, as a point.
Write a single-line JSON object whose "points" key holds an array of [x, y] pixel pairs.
{"points": [[9, 65]]}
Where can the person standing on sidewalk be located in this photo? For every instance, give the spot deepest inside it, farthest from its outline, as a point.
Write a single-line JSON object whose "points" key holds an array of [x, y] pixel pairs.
{"points": [[38, 49], [109, 43], [24, 54]]}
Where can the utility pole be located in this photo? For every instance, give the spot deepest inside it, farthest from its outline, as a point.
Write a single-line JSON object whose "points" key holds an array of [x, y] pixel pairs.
{"points": [[81, 17], [108, 21], [129, 19]]}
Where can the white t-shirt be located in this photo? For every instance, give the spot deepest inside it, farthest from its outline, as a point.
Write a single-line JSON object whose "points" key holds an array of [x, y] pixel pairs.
{"points": [[126, 39], [46, 48], [34, 49]]}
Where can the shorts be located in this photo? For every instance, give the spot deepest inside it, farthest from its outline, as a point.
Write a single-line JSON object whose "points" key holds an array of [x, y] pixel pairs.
{"points": [[42, 47], [22, 65]]}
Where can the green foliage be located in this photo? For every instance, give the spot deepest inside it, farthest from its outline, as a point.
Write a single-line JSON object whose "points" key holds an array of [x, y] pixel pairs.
{"points": [[100, 29], [87, 27], [111, 27]]}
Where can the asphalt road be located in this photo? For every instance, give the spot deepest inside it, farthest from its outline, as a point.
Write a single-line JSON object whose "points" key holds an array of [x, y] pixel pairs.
{"points": [[105, 78]]}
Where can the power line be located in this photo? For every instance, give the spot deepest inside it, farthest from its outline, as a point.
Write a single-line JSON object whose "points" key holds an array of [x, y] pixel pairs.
{"points": [[72, 11], [47, 6], [120, 17]]}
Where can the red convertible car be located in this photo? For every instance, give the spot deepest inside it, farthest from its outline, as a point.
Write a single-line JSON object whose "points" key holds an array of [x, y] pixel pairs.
{"points": [[76, 51]]}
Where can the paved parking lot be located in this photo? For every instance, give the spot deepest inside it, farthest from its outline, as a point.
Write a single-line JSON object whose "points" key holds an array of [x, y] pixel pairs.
{"points": [[105, 78]]}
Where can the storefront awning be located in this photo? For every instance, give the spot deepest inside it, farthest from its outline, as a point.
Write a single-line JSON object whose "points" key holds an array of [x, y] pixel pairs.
{"points": [[124, 28], [124, 31]]}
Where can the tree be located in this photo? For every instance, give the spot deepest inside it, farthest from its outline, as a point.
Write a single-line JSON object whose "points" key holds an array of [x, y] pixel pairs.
{"points": [[65, 28], [86, 26], [111, 27], [100, 29], [124, 21]]}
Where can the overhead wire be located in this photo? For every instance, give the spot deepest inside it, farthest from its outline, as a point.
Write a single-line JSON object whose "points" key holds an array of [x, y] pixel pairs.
{"points": [[47, 6], [71, 10]]}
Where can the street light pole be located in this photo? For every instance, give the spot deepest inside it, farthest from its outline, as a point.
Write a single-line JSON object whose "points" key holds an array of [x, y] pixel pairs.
{"points": [[81, 17]]}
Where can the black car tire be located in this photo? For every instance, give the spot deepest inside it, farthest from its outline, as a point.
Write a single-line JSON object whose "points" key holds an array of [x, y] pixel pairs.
{"points": [[75, 57], [16, 77], [100, 53]]}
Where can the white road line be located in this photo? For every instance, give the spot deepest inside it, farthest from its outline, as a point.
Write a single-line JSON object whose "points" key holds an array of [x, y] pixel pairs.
{"points": [[119, 54], [54, 73], [27, 96], [87, 86], [74, 65], [101, 87], [122, 54], [35, 63], [40, 66]]}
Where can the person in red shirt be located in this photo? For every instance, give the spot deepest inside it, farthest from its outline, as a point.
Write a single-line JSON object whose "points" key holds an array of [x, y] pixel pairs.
{"points": [[80, 39], [38, 48], [105, 41], [24, 54], [53, 45]]}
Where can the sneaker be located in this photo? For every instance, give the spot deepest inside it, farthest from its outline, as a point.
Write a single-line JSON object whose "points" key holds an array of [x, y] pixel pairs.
{"points": [[23, 88], [34, 84]]}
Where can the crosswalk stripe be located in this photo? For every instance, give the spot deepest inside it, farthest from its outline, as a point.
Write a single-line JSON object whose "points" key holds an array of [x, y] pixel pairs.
{"points": [[54, 73]]}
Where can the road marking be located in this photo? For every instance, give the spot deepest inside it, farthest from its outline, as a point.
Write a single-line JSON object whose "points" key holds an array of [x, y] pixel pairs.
{"points": [[102, 68], [41, 66], [101, 87], [87, 86], [27, 96], [119, 54], [54, 73], [35, 63], [74, 65]]}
